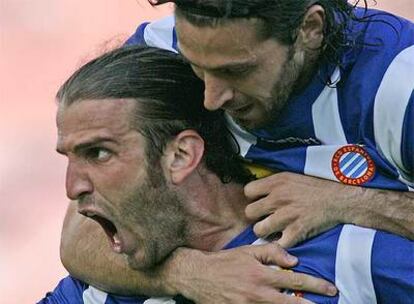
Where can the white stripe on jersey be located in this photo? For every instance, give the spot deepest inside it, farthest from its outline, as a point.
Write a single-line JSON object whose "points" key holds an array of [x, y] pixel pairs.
{"points": [[160, 33], [93, 295], [319, 161], [243, 138], [325, 112], [390, 105], [353, 266], [160, 301]]}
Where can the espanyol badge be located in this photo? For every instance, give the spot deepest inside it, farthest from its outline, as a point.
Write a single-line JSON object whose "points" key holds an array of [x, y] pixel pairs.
{"points": [[352, 165]]}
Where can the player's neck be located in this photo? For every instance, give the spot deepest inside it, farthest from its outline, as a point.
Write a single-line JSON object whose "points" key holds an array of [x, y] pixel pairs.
{"points": [[217, 216]]}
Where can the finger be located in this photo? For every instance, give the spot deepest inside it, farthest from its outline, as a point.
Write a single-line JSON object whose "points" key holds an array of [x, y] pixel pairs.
{"points": [[271, 296], [275, 222], [302, 282], [261, 187], [278, 297], [272, 254], [258, 209], [289, 299], [293, 234], [298, 231]]}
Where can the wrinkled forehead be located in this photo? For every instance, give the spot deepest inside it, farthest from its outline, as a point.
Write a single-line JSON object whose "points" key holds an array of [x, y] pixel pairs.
{"points": [[88, 113]]}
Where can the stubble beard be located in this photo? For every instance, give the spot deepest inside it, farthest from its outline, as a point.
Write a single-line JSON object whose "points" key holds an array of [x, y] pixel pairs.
{"points": [[295, 72], [159, 213]]}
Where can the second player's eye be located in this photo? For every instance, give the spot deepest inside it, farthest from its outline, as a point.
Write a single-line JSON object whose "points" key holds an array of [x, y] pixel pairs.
{"points": [[236, 72]]}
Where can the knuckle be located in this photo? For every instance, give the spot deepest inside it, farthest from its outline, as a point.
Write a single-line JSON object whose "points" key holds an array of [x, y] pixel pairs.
{"points": [[262, 228], [297, 281], [296, 300], [251, 211]]}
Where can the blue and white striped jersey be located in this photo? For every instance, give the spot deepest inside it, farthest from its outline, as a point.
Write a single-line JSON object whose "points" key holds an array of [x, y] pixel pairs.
{"points": [[359, 132], [366, 265]]}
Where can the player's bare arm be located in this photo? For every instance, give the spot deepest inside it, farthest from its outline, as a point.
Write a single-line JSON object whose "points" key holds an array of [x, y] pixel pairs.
{"points": [[233, 276], [303, 206]]}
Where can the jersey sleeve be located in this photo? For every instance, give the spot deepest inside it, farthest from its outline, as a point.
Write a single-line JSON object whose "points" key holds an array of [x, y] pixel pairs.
{"points": [[394, 115], [73, 291], [160, 33], [393, 268], [69, 290]]}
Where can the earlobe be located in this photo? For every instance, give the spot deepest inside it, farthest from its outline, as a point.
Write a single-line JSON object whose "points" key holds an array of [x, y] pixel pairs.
{"points": [[183, 156], [311, 31]]}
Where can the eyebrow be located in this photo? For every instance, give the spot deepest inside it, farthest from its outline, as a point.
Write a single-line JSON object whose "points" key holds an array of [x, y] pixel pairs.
{"points": [[86, 145], [230, 65]]}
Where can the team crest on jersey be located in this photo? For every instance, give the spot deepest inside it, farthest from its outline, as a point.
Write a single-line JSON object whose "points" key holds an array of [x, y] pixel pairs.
{"points": [[352, 165]]}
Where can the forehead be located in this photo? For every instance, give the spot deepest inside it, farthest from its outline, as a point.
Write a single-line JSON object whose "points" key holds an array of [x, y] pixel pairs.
{"points": [[94, 118], [231, 40]]}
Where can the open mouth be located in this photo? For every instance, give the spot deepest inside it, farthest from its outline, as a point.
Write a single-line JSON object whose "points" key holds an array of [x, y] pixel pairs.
{"points": [[109, 228]]}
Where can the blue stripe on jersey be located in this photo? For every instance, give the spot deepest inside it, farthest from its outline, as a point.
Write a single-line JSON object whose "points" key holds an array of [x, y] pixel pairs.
{"points": [[138, 37], [66, 292], [393, 268], [295, 120], [317, 258], [407, 145], [247, 237], [115, 299], [175, 42], [292, 160], [386, 176]]}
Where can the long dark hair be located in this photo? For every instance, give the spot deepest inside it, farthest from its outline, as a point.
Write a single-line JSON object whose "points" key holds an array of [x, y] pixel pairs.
{"points": [[282, 19]]}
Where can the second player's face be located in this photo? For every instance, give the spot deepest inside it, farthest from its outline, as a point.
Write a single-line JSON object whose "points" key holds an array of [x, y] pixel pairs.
{"points": [[107, 175], [250, 78]]}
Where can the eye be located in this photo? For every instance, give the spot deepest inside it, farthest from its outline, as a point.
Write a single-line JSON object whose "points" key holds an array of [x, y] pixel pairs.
{"points": [[97, 154], [236, 72]]}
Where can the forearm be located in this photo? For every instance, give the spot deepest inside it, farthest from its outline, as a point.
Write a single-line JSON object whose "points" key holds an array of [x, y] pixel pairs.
{"points": [[231, 276], [86, 254], [391, 211]]}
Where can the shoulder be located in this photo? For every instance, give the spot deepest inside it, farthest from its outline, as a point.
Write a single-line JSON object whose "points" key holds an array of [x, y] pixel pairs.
{"points": [[69, 290], [159, 33]]}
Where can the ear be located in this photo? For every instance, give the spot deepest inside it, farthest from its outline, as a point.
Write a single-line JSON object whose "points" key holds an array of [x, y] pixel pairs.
{"points": [[182, 156], [311, 31]]}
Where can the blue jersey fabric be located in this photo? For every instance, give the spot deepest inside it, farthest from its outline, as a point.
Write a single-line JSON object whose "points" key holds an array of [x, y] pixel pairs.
{"points": [[359, 131], [367, 266]]}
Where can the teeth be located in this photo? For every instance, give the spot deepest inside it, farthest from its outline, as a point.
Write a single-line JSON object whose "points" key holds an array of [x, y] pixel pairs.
{"points": [[116, 244], [90, 214]]}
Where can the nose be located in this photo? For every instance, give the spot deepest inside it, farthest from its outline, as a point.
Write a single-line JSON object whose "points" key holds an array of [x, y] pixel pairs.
{"points": [[78, 182], [217, 92]]}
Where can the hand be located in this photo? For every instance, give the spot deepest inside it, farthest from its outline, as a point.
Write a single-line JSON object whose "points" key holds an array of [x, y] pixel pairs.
{"points": [[299, 206], [241, 276]]}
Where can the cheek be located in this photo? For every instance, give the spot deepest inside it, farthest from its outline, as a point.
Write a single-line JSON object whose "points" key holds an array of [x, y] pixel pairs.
{"points": [[118, 178]]}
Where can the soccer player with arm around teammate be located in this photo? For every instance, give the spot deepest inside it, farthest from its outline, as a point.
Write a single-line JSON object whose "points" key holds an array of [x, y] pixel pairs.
{"points": [[156, 171], [320, 89]]}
